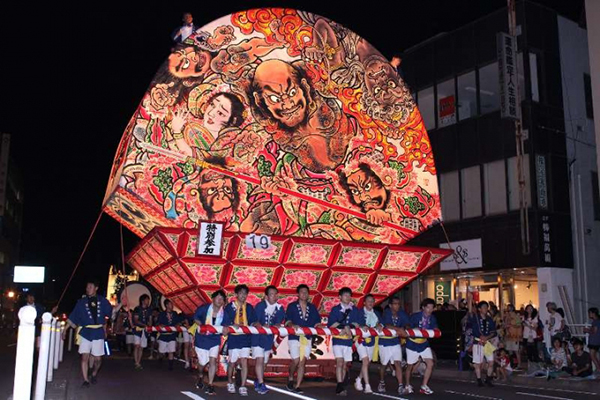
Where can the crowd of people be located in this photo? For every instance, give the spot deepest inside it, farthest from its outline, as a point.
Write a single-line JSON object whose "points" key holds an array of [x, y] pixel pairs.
{"points": [[501, 343], [399, 353]]}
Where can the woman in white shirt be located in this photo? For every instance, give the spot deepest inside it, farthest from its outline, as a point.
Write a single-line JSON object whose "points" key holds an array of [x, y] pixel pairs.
{"points": [[554, 324], [530, 325]]}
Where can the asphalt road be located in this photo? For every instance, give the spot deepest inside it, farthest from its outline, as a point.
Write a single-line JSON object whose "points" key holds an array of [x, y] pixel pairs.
{"points": [[118, 380]]}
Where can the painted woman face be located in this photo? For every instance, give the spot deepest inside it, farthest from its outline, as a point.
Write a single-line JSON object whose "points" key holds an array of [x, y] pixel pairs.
{"points": [[217, 114]]}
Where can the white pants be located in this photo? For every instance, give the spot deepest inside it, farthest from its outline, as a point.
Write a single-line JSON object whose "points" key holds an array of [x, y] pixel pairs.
{"points": [[390, 354], [412, 357], [294, 348], [129, 339], [236, 354], [365, 351], [205, 355], [167, 347], [140, 340], [259, 352], [344, 352], [479, 356], [95, 347]]}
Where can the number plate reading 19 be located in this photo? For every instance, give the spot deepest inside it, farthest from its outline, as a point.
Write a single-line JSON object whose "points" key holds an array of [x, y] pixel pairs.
{"points": [[258, 241]]}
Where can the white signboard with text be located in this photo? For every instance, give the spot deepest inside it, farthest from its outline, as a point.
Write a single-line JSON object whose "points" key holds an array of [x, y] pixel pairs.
{"points": [[467, 254], [210, 241]]}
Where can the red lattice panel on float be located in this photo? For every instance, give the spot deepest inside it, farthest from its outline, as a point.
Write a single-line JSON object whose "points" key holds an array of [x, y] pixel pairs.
{"points": [[169, 260]]}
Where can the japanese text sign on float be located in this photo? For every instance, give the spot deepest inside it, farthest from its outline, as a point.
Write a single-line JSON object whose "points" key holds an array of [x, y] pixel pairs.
{"points": [[211, 239]]}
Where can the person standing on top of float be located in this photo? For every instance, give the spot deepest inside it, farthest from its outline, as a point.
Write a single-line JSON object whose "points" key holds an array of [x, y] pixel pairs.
{"points": [[207, 345], [484, 329], [90, 315], [185, 30], [142, 318], [166, 341], [343, 316], [419, 347], [370, 318], [390, 351], [269, 313], [239, 313], [300, 314]]}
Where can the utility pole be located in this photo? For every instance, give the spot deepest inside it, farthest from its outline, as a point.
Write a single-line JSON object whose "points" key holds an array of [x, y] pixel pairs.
{"points": [[520, 141]]}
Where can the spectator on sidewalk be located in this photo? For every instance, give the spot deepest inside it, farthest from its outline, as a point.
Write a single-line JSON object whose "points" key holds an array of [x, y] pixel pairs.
{"points": [[554, 324], [558, 359], [513, 332], [594, 338], [530, 336], [580, 362], [503, 367], [185, 30]]}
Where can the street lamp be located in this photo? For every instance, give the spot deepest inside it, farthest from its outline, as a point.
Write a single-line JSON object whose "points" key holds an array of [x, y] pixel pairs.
{"points": [[11, 294]]}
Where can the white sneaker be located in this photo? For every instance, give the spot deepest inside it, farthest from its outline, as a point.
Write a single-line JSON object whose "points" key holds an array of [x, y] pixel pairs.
{"points": [[358, 384], [381, 387], [425, 390], [368, 389], [401, 388], [409, 389], [231, 387], [242, 390]]}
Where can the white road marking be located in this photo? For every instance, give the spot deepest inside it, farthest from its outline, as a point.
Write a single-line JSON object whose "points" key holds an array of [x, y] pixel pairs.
{"points": [[543, 396], [192, 395], [388, 396], [276, 389], [530, 388], [472, 395]]}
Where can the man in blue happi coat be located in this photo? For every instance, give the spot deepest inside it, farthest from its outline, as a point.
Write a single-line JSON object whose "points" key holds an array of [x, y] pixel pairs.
{"points": [[418, 348], [207, 345], [390, 351], [343, 316], [239, 313], [142, 318], [268, 313], [89, 317], [300, 313], [167, 343]]}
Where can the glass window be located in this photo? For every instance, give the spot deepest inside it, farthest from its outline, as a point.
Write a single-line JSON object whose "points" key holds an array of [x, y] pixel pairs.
{"points": [[494, 179], [489, 88], [446, 103], [449, 196], [426, 107], [513, 182], [471, 191], [587, 90], [533, 71], [467, 96]]}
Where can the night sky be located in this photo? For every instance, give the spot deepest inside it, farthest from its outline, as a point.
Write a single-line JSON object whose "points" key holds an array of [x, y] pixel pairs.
{"points": [[72, 81]]}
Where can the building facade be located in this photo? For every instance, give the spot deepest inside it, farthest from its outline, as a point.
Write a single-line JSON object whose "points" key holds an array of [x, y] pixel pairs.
{"points": [[502, 255], [11, 222]]}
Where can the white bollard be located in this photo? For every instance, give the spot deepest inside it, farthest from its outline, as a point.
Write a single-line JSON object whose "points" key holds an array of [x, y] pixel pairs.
{"points": [[51, 352], [25, 346], [56, 343], [70, 341], [42, 371], [62, 342]]}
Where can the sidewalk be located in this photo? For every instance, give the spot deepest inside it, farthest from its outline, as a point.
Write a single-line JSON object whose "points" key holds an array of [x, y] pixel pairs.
{"points": [[449, 370], [66, 375]]}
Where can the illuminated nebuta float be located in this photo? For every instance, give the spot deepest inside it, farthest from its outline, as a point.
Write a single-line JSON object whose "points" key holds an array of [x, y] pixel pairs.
{"points": [[280, 123]]}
